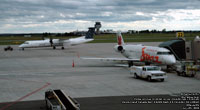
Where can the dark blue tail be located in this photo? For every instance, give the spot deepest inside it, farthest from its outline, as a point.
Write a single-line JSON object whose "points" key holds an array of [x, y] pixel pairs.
{"points": [[90, 33]]}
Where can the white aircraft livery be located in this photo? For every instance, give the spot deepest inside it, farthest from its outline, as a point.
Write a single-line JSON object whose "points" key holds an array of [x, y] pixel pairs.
{"points": [[140, 53], [59, 42]]}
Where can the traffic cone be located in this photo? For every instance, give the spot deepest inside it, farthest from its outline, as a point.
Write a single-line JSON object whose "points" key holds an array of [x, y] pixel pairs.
{"points": [[73, 64]]}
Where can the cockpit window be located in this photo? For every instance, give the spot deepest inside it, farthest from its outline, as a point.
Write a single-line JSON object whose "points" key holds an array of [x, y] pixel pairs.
{"points": [[26, 42], [164, 53]]}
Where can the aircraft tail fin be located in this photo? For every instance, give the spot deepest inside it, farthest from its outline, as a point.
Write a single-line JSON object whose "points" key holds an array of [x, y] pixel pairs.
{"points": [[120, 39], [90, 33]]}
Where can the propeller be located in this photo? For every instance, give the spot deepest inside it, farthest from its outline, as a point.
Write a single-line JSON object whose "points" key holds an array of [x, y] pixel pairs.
{"points": [[51, 41]]}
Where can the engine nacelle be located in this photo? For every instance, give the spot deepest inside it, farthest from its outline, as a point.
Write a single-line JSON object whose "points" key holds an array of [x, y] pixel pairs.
{"points": [[119, 48]]}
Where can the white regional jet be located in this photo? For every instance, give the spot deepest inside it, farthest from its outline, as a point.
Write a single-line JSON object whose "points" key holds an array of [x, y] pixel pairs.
{"points": [[59, 42], [140, 53]]}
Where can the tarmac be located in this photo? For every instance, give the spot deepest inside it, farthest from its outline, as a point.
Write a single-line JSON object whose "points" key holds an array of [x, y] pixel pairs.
{"points": [[109, 103], [26, 75]]}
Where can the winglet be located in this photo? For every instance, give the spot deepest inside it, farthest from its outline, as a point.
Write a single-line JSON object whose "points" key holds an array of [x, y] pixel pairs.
{"points": [[120, 39]]}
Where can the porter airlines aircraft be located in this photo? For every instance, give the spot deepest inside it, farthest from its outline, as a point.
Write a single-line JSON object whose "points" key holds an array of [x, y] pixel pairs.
{"points": [[59, 42], [140, 53]]}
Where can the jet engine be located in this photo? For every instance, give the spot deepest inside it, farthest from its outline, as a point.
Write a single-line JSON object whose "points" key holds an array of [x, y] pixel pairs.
{"points": [[119, 48]]}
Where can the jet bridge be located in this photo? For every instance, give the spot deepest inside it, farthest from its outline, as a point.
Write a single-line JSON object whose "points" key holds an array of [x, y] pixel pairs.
{"points": [[177, 47], [183, 50]]}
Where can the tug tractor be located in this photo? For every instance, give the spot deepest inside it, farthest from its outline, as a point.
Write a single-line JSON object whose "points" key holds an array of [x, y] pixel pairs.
{"points": [[186, 69], [8, 48]]}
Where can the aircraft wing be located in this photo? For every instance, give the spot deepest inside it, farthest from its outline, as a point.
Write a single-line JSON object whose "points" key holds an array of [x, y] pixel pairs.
{"points": [[63, 40], [112, 59]]}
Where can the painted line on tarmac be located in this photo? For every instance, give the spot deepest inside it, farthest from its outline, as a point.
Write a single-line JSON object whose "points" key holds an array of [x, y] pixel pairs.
{"points": [[21, 80], [27, 95]]}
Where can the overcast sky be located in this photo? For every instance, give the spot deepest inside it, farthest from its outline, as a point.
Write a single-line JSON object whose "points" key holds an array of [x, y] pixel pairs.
{"points": [[30, 16]]}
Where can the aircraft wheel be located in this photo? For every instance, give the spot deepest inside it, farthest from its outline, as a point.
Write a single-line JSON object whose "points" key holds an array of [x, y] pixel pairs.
{"points": [[162, 80], [62, 48], [54, 47]]}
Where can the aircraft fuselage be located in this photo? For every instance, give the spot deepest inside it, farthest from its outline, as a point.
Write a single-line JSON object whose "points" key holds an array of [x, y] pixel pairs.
{"points": [[147, 54]]}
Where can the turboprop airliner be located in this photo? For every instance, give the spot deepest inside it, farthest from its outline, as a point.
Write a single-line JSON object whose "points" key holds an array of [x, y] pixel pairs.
{"points": [[140, 53], [59, 42]]}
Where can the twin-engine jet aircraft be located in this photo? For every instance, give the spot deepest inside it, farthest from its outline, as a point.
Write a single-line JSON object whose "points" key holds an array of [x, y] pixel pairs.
{"points": [[59, 42], [140, 53]]}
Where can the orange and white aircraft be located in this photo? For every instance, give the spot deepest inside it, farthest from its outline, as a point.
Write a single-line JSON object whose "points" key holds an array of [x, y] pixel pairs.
{"points": [[140, 53]]}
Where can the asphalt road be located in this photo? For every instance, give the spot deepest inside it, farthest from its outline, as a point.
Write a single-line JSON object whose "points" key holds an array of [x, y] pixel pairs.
{"points": [[26, 75], [141, 102]]}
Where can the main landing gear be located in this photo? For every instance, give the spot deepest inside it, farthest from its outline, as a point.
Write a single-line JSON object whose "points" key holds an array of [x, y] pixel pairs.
{"points": [[54, 47]]}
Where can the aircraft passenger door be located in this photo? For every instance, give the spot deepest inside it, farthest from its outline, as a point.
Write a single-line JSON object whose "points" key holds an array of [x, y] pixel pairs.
{"points": [[162, 59]]}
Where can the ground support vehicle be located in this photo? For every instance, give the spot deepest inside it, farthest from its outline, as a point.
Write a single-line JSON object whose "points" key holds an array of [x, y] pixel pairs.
{"points": [[148, 72], [57, 100], [8, 48], [186, 69]]}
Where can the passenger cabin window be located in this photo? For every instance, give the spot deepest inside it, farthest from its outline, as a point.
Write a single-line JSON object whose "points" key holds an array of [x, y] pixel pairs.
{"points": [[164, 53]]}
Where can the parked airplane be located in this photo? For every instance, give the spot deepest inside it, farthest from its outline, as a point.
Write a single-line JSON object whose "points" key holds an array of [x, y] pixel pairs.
{"points": [[140, 53], [59, 42]]}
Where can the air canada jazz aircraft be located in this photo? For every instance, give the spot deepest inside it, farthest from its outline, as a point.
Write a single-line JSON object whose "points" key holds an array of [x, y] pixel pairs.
{"points": [[140, 53], [59, 42]]}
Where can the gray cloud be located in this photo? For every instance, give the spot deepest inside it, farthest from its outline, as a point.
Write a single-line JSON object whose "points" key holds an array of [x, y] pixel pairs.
{"points": [[22, 12]]}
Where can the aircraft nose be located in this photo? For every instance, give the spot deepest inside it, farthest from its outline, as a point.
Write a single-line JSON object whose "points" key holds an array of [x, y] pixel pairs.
{"points": [[171, 60], [20, 46]]}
